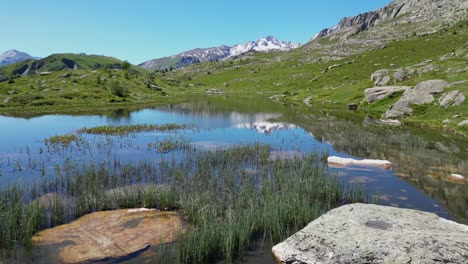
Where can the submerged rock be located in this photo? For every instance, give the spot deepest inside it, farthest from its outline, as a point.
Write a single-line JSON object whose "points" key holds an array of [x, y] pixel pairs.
{"points": [[333, 160], [366, 233], [110, 235]]}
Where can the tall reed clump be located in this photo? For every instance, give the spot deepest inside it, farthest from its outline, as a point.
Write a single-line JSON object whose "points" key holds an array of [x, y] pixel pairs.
{"points": [[228, 205], [229, 196]]}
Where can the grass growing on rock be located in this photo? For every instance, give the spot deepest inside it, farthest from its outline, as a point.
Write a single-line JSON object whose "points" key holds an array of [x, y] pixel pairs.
{"points": [[229, 196]]}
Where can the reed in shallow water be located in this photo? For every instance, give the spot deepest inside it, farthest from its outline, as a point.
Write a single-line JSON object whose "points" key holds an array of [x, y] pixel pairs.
{"points": [[228, 195]]}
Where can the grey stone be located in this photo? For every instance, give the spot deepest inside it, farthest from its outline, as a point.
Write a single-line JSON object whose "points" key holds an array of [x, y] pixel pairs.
{"points": [[459, 99], [380, 77], [423, 93], [429, 68], [214, 91], [308, 101], [446, 122], [399, 109], [463, 123], [432, 86], [452, 98], [369, 120], [334, 66], [399, 75], [458, 82], [378, 93], [456, 116], [360, 233], [443, 58], [155, 87]]}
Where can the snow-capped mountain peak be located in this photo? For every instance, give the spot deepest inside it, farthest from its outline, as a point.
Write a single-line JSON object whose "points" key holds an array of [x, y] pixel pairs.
{"points": [[220, 53], [261, 45]]}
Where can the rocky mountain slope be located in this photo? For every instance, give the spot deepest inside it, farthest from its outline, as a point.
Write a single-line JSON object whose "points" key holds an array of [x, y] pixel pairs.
{"points": [[217, 53], [399, 19], [14, 56]]}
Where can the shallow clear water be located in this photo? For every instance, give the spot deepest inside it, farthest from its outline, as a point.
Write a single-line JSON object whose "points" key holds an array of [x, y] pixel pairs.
{"points": [[423, 160]]}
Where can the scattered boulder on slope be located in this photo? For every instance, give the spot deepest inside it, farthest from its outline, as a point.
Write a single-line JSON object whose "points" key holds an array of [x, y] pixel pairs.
{"points": [[378, 93], [308, 101], [423, 93], [454, 98], [381, 77], [214, 91], [366, 233], [109, 235], [463, 123]]}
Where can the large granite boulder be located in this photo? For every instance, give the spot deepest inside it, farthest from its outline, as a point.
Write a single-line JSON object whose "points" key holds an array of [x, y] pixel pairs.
{"points": [[423, 93], [378, 93], [109, 235], [361, 233]]}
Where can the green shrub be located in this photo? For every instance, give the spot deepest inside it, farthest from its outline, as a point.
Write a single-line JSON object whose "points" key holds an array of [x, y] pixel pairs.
{"points": [[118, 89]]}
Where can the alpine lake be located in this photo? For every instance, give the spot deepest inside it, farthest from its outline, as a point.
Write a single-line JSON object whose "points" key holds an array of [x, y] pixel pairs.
{"points": [[249, 139]]}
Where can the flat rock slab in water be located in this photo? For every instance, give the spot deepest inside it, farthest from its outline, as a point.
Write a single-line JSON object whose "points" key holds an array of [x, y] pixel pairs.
{"points": [[360, 233], [110, 235], [338, 161]]}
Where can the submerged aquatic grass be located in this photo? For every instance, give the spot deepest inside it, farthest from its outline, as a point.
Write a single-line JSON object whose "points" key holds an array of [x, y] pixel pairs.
{"points": [[125, 130], [62, 140], [170, 144]]}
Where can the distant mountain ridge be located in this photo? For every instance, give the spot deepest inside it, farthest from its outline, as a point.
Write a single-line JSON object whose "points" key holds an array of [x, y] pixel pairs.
{"points": [[14, 56], [399, 19], [220, 53], [58, 62]]}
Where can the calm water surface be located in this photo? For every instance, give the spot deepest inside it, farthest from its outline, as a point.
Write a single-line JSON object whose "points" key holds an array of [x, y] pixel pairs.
{"points": [[423, 160]]}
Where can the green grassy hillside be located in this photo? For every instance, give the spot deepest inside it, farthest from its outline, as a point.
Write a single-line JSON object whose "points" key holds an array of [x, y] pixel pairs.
{"points": [[56, 84], [99, 81], [298, 74]]}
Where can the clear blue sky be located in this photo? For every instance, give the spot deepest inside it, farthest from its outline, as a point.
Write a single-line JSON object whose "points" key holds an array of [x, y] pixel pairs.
{"points": [[138, 30]]}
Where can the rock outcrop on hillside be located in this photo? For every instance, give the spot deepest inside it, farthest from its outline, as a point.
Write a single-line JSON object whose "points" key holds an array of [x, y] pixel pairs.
{"points": [[423, 93], [360, 233], [399, 19]]}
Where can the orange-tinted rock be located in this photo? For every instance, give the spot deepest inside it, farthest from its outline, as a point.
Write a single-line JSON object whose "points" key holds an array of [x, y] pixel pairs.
{"points": [[110, 235]]}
